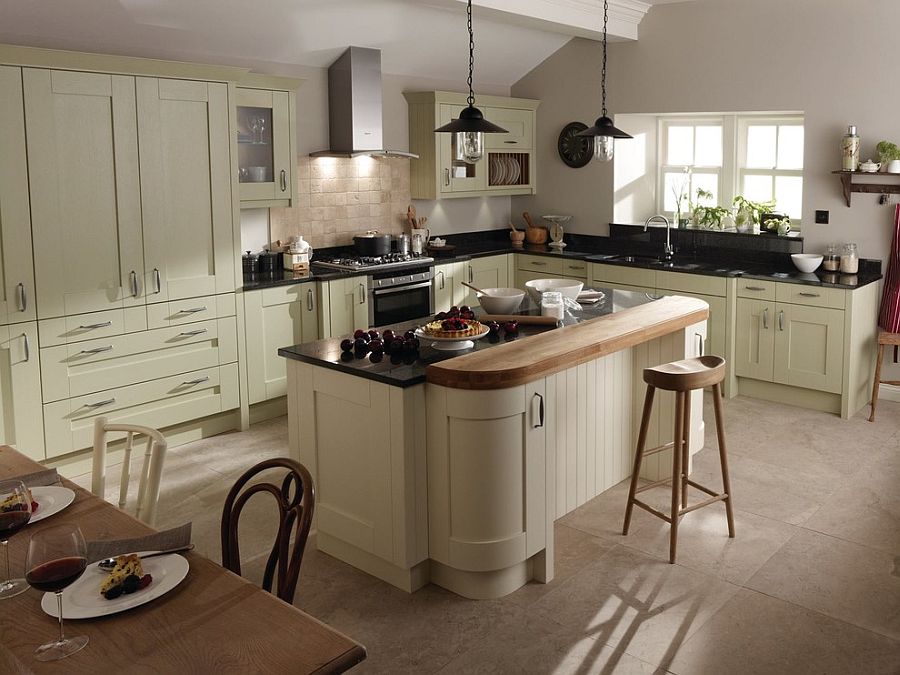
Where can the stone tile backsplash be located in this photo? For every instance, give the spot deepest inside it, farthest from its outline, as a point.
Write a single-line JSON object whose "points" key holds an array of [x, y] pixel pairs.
{"points": [[338, 198]]}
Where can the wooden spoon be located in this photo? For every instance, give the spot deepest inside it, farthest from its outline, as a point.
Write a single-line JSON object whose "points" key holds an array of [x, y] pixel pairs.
{"points": [[527, 217], [477, 290]]}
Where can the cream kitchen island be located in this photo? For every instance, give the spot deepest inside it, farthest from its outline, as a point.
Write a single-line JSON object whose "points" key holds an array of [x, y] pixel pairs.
{"points": [[452, 468]]}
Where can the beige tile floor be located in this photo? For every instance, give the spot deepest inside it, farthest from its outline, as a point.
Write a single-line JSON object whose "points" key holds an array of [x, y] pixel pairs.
{"points": [[811, 583]]}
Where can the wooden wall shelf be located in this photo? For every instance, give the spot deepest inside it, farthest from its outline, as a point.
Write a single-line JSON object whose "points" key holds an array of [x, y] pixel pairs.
{"points": [[850, 187]]}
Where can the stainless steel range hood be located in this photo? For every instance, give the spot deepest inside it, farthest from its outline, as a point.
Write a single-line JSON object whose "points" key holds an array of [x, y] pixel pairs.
{"points": [[354, 106]]}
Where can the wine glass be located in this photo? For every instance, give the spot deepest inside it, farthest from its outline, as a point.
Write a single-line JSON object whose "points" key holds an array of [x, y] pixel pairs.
{"points": [[15, 512], [57, 556], [261, 129], [254, 129]]}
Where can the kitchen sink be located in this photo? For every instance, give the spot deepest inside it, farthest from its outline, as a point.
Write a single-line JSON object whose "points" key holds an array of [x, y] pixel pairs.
{"points": [[642, 259]]}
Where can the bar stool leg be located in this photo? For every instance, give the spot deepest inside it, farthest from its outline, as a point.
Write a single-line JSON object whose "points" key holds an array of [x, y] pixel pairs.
{"points": [[639, 455], [876, 384], [676, 471], [723, 458], [685, 452]]}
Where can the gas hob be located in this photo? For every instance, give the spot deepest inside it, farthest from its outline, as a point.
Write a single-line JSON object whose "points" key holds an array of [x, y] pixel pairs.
{"points": [[375, 264]]}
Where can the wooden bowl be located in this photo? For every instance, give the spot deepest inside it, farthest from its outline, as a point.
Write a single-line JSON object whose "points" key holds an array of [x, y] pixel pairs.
{"points": [[536, 235], [518, 236]]}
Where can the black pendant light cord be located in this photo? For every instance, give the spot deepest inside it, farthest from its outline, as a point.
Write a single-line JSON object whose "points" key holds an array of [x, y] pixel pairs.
{"points": [[471, 98], [603, 72]]}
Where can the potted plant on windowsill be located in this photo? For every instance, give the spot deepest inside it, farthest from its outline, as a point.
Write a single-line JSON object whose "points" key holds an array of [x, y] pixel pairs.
{"points": [[708, 217], [747, 213]]}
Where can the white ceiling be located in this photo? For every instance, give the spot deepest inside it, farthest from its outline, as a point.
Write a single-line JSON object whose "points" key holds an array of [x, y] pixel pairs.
{"points": [[425, 38]]}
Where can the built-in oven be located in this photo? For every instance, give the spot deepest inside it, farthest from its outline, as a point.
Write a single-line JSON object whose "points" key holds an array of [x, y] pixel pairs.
{"points": [[397, 296]]}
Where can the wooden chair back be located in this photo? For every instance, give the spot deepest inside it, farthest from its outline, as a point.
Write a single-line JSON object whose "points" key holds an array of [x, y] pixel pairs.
{"points": [[296, 499], [151, 470]]}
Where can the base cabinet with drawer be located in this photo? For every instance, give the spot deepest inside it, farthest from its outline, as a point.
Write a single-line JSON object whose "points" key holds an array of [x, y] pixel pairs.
{"points": [[488, 272], [531, 267], [21, 412], [277, 317], [345, 306]]}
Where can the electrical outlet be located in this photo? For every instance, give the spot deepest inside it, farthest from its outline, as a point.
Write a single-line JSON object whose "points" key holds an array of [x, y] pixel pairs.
{"points": [[821, 217]]}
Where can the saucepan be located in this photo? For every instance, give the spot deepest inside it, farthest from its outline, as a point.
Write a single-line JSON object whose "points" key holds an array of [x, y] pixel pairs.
{"points": [[372, 244]]}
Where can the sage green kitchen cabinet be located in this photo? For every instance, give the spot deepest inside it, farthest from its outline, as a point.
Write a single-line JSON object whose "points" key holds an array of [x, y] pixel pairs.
{"points": [[21, 413], [185, 170], [809, 347], [277, 317], [488, 272], [754, 342], [447, 289], [266, 146], [348, 305], [17, 300], [85, 191]]}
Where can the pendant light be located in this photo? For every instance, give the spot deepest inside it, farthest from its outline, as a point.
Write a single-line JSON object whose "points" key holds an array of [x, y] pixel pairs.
{"points": [[470, 127], [603, 130]]}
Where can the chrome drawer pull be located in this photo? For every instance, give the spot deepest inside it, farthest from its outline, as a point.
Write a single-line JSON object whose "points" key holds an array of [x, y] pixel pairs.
{"points": [[192, 310], [27, 348], [362, 294], [808, 295], [781, 320], [283, 180], [754, 288], [441, 272], [700, 340], [192, 333], [23, 300], [766, 318], [157, 279], [100, 404], [134, 284], [199, 380], [96, 350], [310, 306], [539, 264], [94, 326], [471, 275]]}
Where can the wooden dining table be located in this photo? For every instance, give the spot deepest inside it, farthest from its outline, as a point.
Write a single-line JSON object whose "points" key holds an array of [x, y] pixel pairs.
{"points": [[213, 622]]}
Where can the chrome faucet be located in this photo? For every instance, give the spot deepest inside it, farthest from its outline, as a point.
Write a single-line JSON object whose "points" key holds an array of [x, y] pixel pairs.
{"points": [[668, 251]]}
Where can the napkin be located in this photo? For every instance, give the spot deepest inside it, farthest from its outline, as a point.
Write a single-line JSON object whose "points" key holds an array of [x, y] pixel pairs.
{"points": [[39, 478], [158, 541]]}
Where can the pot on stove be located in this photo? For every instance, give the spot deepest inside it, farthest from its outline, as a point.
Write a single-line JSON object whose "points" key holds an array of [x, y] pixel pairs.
{"points": [[372, 244]]}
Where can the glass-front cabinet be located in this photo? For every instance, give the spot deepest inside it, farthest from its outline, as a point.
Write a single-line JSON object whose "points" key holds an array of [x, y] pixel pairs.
{"points": [[266, 156]]}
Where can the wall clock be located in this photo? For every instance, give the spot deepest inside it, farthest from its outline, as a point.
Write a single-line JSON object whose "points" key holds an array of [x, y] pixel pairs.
{"points": [[575, 151]]}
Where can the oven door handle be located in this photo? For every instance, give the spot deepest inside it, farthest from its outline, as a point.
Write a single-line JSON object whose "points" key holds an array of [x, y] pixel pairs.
{"points": [[400, 289]]}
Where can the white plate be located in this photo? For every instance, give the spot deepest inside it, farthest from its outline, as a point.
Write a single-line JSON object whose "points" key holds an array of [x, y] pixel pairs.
{"points": [[451, 343], [82, 600], [51, 499], [516, 171]]}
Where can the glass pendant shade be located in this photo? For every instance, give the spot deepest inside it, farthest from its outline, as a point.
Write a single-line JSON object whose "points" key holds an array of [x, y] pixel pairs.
{"points": [[471, 145], [603, 148], [604, 134]]}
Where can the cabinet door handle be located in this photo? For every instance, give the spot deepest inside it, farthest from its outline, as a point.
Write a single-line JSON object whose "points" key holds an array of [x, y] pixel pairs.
{"points": [[23, 300], [192, 310], [700, 339], [27, 347], [157, 280], [781, 320], [540, 411], [93, 326], [362, 294], [96, 350], [538, 264], [134, 284], [510, 142], [441, 272], [471, 275], [447, 177], [100, 404], [766, 318], [309, 300], [754, 288], [192, 333], [283, 180], [808, 295], [199, 380]]}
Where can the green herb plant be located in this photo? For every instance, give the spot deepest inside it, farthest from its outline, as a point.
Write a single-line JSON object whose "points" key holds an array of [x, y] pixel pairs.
{"points": [[745, 209], [887, 151]]}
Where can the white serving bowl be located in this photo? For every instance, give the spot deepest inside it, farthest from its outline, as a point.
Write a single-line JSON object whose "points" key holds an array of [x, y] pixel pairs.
{"points": [[569, 288], [806, 262], [500, 300]]}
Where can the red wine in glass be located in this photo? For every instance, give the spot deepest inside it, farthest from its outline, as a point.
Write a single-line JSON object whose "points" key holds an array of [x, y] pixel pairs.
{"points": [[55, 575], [15, 512]]}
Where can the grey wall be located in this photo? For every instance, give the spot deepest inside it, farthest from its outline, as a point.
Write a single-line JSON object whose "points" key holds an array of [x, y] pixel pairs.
{"points": [[833, 60]]}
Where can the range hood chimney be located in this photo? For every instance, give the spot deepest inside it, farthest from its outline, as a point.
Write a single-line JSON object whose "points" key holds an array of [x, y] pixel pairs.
{"points": [[354, 106]]}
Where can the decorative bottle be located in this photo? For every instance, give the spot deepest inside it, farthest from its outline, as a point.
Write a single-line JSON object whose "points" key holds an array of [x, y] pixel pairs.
{"points": [[850, 150]]}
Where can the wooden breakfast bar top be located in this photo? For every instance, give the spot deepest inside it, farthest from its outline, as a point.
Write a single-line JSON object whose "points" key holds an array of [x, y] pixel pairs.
{"points": [[524, 361]]}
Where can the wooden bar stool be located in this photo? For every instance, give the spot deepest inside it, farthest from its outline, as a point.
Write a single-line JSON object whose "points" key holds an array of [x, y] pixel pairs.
{"points": [[884, 339], [682, 377]]}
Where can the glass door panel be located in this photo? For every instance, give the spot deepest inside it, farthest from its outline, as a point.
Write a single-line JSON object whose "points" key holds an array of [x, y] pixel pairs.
{"points": [[256, 161]]}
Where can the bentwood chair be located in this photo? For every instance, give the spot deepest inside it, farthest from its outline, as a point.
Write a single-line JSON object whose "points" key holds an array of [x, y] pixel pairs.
{"points": [[296, 499], [151, 471]]}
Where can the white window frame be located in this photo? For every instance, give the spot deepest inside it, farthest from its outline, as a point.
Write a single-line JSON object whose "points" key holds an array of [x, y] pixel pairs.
{"points": [[734, 152]]}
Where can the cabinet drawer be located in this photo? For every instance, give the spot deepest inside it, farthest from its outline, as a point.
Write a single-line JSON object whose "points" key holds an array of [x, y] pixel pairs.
{"points": [[86, 367], [281, 295], [615, 275], [519, 125], [78, 327], [68, 424], [690, 283], [815, 296], [179, 312], [540, 263], [574, 268], [753, 288]]}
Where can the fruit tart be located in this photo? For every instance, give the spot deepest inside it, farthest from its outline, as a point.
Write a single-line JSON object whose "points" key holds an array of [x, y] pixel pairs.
{"points": [[12, 503], [126, 577], [453, 328]]}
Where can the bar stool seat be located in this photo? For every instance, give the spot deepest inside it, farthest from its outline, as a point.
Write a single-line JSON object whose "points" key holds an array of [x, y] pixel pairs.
{"points": [[884, 339], [681, 377]]}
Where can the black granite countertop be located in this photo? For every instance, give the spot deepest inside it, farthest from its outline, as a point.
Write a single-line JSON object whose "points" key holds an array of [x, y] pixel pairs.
{"points": [[409, 370], [766, 265]]}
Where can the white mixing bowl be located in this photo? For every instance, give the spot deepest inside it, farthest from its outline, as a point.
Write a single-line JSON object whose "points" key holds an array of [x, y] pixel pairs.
{"points": [[567, 287], [806, 262], [500, 300]]}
